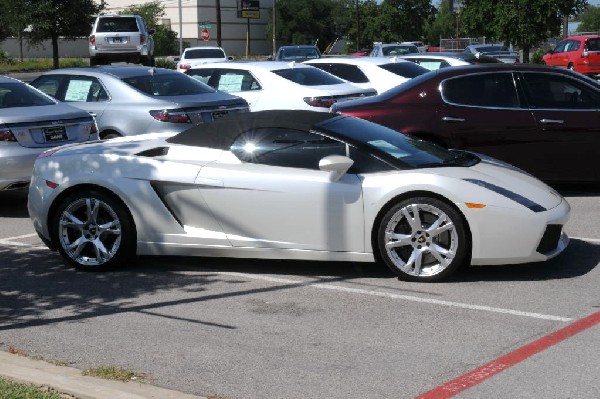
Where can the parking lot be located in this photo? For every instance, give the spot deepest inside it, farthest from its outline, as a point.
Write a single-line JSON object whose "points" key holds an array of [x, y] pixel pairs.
{"points": [[282, 329]]}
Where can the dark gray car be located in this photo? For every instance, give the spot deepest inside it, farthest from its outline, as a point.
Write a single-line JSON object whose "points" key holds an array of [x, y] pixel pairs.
{"points": [[130, 100]]}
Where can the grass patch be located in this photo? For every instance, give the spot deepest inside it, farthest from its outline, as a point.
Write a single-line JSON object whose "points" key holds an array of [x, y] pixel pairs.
{"points": [[114, 373], [41, 64], [14, 390]]}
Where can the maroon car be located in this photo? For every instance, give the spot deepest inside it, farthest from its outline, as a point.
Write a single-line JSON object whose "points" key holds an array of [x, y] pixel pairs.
{"points": [[543, 120]]}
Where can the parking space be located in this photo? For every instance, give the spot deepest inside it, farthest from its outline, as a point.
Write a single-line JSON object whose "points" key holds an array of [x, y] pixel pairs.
{"points": [[258, 328]]}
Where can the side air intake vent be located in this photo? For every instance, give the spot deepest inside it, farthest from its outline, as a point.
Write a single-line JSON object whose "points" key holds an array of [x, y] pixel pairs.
{"points": [[154, 152]]}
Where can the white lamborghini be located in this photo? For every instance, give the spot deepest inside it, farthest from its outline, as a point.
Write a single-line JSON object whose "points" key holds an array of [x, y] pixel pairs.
{"points": [[292, 185]]}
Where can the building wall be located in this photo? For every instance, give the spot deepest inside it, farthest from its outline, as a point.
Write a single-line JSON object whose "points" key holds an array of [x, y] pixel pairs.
{"points": [[233, 29]]}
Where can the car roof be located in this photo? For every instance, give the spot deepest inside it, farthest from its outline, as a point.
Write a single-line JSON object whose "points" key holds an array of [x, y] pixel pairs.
{"points": [[254, 65], [582, 37], [357, 60], [298, 46], [203, 47], [221, 133], [120, 72]]}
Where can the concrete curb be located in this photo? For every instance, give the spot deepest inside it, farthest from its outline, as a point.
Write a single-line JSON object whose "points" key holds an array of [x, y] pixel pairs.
{"points": [[70, 381]]}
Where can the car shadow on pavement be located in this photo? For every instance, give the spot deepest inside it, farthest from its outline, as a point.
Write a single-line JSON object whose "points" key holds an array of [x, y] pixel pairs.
{"points": [[14, 204], [578, 259]]}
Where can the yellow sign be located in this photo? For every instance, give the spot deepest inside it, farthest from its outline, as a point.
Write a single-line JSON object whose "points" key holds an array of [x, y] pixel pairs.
{"points": [[252, 14]]}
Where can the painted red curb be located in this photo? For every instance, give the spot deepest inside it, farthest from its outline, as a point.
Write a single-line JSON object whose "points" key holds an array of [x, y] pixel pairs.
{"points": [[494, 367]]}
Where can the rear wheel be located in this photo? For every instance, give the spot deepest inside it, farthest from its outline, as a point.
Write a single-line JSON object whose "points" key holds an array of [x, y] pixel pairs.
{"points": [[423, 239], [571, 67], [93, 231], [93, 61]]}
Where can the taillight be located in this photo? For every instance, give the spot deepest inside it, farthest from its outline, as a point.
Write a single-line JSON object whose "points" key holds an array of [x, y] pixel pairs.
{"points": [[323, 102], [93, 40], [184, 66], [172, 116], [142, 39], [7, 135], [93, 129], [48, 153]]}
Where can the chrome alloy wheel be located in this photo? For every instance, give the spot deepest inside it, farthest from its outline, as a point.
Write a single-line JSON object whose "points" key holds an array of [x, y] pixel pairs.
{"points": [[89, 232], [421, 240]]}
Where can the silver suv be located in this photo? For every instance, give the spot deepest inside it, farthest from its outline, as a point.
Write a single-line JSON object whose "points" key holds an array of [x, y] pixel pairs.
{"points": [[121, 38]]}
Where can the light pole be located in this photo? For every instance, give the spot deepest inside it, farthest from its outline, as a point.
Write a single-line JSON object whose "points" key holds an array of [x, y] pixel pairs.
{"points": [[180, 30], [274, 36]]}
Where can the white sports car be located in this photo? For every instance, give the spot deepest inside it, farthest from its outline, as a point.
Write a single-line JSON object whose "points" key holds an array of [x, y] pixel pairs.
{"points": [[292, 185]]}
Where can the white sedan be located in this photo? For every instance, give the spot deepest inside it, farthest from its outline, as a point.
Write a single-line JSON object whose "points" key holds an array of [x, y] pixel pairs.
{"points": [[267, 85], [379, 73], [293, 185]]}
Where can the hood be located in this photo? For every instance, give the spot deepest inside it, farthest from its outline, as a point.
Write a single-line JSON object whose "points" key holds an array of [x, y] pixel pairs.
{"points": [[508, 177], [42, 113]]}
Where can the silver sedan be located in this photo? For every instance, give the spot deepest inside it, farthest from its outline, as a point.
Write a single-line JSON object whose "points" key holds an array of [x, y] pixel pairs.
{"points": [[131, 100], [30, 123]]}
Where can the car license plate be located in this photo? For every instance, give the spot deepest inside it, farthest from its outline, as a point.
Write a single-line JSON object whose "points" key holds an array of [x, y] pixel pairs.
{"points": [[219, 114], [55, 133]]}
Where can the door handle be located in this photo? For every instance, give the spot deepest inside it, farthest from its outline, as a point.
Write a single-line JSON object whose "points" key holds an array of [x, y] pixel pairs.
{"points": [[552, 121], [452, 119]]}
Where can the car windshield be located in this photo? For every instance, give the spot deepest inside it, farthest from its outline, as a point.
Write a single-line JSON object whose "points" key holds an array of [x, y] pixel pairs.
{"points": [[399, 50], [20, 95], [204, 53], [164, 85], [308, 76], [291, 54], [117, 24], [405, 69], [400, 150]]}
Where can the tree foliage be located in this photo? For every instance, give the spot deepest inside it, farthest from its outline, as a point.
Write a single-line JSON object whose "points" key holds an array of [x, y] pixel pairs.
{"points": [[524, 23], [441, 25], [165, 39], [403, 20], [51, 19], [590, 20]]}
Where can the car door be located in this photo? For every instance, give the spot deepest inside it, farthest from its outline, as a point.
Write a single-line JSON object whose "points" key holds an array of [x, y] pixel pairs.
{"points": [[482, 112], [238, 82], [277, 197], [567, 114], [83, 92]]}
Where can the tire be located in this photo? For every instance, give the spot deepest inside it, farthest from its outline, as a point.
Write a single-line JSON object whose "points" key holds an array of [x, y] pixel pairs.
{"points": [[110, 135], [93, 231], [571, 67], [94, 61], [428, 247]]}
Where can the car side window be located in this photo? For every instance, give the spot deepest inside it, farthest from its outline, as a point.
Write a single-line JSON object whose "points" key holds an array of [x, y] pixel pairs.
{"points": [[560, 47], [285, 147], [495, 90], [558, 92], [49, 85], [84, 89], [202, 75], [236, 80]]}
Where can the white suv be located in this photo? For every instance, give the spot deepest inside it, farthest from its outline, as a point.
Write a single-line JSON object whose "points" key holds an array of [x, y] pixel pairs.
{"points": [[121, 38], [193, 56]]}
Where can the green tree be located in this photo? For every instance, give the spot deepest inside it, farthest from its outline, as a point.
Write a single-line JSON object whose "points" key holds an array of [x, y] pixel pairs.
{"points": [[403, 20], [590, 20], [165, 39], [305, 22], [524, 23], [51, 19], [442, 24]]}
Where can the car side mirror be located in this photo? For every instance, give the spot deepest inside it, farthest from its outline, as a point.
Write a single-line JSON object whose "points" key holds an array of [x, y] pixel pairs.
{"points": [[337, 165]]}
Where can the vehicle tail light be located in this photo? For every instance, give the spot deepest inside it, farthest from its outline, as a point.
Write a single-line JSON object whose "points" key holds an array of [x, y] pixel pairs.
{"points": [[142, 39], [184, 66], [6, 135], [93, 129], [48, 153], [173, 116], [93, 40], [323, 102]]}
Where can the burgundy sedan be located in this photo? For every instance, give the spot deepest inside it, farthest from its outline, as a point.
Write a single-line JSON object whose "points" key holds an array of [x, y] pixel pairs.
{"points": [[541, 119]]}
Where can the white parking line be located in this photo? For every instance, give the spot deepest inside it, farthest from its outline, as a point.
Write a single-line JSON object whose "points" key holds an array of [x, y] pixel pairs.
{"points": [[10, 241], [594, 240], [397, 296]]}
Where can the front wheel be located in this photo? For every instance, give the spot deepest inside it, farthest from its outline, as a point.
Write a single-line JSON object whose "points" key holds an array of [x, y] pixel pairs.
{"points": [[423, 239], [93, 231]]}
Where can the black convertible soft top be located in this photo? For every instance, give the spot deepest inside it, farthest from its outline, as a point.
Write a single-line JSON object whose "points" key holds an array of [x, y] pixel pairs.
{"points": [[221, 133]]}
